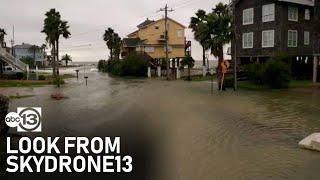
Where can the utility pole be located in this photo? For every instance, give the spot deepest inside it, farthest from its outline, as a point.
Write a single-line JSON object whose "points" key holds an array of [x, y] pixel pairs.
{"points": [[235, 63], [165, 9], [12, 41]]}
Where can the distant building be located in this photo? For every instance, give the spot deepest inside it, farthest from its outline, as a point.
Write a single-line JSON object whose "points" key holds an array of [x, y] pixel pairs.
{"points": [[264, 27], [32, 51], [150, 39]]}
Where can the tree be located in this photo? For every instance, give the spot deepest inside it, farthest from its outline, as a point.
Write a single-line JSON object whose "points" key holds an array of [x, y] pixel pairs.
{"points": [[113, 42], [66, 58], [189, 62], [219, 26], [201, 34], [28, 60], [54, 27], [2, 34], [34, 49]]}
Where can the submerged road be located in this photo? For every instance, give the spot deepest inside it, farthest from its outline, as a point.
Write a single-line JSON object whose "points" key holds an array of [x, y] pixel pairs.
{"points": [[182, 132]]}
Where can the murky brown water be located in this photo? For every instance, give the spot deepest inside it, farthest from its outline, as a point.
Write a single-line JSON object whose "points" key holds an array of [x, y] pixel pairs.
{"points": [[193, 134]]}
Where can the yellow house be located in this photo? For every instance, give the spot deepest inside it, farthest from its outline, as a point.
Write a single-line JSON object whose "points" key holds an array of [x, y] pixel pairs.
{"points": [[150, 39]]}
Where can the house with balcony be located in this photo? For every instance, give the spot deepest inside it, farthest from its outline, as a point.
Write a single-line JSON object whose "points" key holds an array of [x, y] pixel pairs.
{"points": [[265, 27], [36, 53], [149, 39]]}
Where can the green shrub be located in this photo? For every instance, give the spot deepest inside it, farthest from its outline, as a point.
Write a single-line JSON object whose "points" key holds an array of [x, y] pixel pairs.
{"points": [[42, 78], [274, 73], [20, 75], [101, 65], [133, 65], [58, 80], [4, 105]]}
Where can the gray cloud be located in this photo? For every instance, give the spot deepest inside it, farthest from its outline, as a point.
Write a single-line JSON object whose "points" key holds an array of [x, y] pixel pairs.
{"points": [[89, 18]]}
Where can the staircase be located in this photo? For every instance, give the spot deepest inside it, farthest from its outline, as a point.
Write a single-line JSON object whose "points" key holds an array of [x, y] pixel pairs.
{"points": [[8, 58]]}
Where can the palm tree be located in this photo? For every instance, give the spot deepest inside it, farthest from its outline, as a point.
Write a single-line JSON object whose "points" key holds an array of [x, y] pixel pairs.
{"points": [[189, 62], [2, 34], [66, 58], [113, 42], [54, 27], [63, 30], [50, 28], [200, 34], [219, 24], [34, 49]]}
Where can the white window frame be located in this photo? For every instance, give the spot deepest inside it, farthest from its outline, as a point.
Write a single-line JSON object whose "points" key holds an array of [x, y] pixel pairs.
{"points": [[149, 49], [291, 44], [263, 40], [268, 12], [306, 37], [246, 20], [246, 44], [307, 14], [292, 9]]}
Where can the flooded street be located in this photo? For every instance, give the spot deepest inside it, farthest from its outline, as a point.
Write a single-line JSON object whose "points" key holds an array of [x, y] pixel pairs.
{"points": [[186, 132]]}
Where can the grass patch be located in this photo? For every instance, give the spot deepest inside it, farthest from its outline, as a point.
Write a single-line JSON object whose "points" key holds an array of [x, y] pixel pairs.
{"points": [[22, 83], [20, 97], [293, 84], [200, 78]]}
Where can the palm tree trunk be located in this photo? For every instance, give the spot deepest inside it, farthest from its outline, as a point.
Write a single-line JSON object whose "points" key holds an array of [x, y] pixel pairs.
{"points": [[58, 62], [203, 56], [219, 69], [111, 53], [53, 56]]}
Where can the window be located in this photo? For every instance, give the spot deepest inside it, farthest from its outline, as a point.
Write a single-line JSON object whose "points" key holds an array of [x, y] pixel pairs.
{"points": [[307, 14], [306, 38], [180, 33], [247, 40], [149, 49], [292, 13], [268, 38], [292, 38], [268, 13], [247, 16], [156, 27]]}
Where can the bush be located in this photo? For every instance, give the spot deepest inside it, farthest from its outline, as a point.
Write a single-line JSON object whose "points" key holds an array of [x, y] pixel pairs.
{"points": [[42, 78], [58, 80], [275, 73], [4, 105], [133, 65], [20, 75]]}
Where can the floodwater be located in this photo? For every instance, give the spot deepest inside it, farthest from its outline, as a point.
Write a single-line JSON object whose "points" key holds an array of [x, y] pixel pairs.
{"points": [[186, 133]]}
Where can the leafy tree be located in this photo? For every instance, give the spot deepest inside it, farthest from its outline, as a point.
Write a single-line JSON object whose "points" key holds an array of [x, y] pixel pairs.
{"points": [[66, 58], [219, 26], [189, 62], [34, 49], [28, 60], [2, 34], [113, 42], [197, 24]]}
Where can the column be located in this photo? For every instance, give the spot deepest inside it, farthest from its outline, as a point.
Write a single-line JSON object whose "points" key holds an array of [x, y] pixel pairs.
{"points": [[159, 70], [37, 73], [149, 72], [315, 69]]}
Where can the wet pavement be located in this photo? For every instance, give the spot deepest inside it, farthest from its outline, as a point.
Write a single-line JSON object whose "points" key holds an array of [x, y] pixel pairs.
{"points": [[186, 132]]}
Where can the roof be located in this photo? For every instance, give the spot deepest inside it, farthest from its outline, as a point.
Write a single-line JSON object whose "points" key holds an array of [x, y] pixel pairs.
{"points": [[131, 42], [145, 23], [23, 46], [302, 2]]}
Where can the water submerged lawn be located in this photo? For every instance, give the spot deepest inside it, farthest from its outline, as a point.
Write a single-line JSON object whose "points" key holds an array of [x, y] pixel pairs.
{"points": [[190, 133]]}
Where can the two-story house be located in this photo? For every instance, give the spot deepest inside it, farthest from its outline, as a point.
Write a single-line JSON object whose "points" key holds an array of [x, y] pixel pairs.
{"points": [[31, 51], [264, 27], [150, 39]]}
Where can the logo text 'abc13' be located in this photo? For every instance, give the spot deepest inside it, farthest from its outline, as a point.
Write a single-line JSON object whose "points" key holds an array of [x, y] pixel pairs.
{"points": [[26, 119]]}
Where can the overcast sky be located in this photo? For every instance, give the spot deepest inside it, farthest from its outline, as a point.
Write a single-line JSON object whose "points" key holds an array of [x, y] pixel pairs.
{"points": [[89, 18]]}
